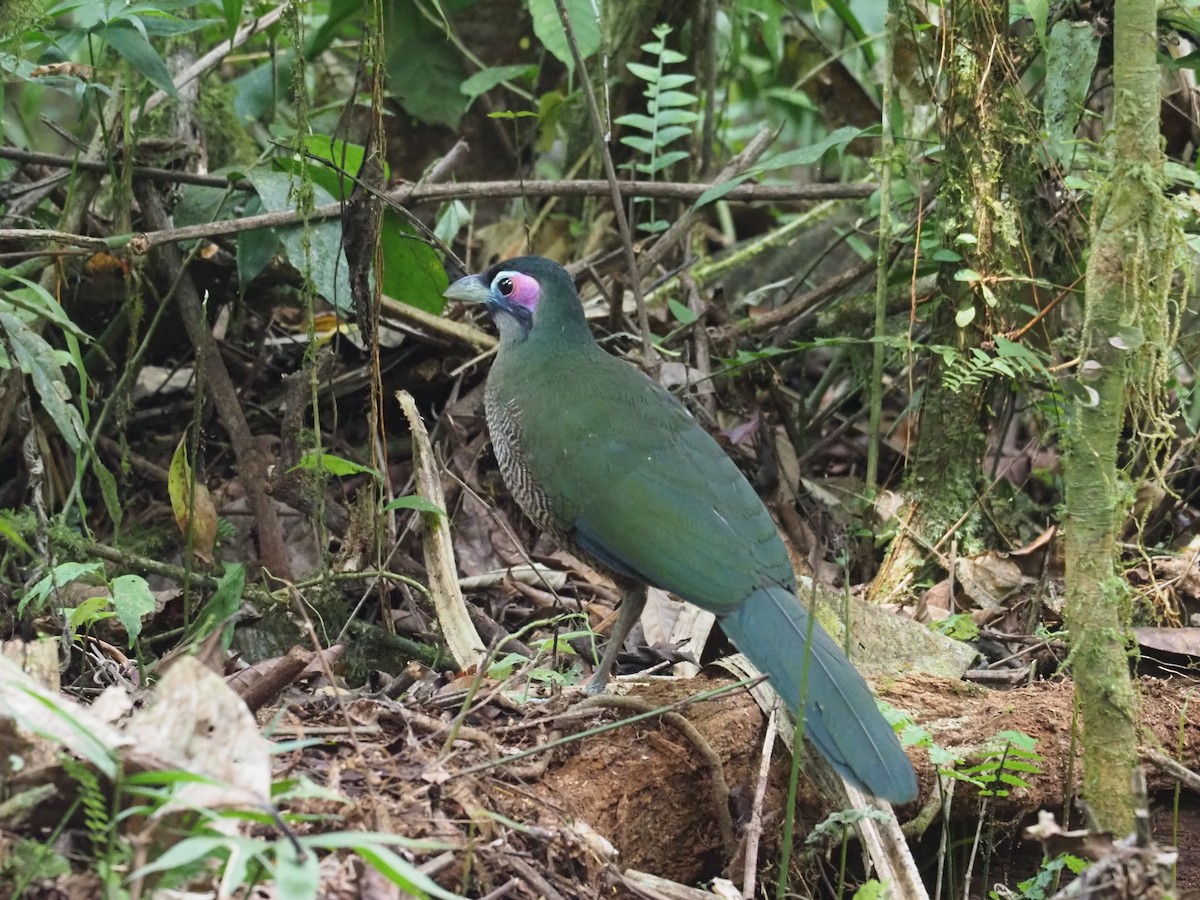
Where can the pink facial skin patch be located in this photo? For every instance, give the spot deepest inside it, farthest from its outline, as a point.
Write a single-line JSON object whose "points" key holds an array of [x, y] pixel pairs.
{"points": [[518, 289]]}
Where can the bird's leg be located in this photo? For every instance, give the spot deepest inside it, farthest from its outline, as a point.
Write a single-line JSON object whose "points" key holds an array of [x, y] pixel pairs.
{"points": [[632, 602]]}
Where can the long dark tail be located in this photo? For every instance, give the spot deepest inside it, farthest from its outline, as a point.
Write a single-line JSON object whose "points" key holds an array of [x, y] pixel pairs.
{"points": [[841, 717]]}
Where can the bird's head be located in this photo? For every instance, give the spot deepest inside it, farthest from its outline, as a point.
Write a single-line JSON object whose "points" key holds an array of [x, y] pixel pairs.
{"points": [[528, 296]]}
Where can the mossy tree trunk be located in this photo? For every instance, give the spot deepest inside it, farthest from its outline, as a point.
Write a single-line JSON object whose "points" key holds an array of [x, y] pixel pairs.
{"points": [[1124, 345], [984, 174]]}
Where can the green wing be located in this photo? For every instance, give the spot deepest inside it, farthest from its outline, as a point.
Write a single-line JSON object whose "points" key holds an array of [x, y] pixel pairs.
{"points": [[640, 485]]}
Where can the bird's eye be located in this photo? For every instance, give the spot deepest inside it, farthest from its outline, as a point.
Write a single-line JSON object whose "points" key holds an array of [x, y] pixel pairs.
{"points": [[505, 287]]}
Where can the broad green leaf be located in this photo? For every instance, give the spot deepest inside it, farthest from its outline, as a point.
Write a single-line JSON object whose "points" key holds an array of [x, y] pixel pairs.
{"points": [[682, 314], [1128, 337], [417, 502], [170, 26], [374, 850], [1071, 54], [323, 256], [132, 44], [187, 851], [452, 218], [109, 492], [60, 576], [233, 14], [40, 361], [223, 603], [423, 67], [132, 599], [342, 13], [548, 28], [964, 316], [483, 81], [255, 250], [296, 874], [412, 272], [806, 156], [343, 156], [333, 465], [255, 92], [88, 612], [37, 300], [10, 534], [1039, 12]]}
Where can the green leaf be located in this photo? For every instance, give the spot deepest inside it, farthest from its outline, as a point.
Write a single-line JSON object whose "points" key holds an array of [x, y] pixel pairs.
{"points": [[671, 133], [675, 98], [40, 361], [170, 26], [60, 576], [36, 300], [88, 612], [964, 316], [871, 890], [344, 17], [333, 465], [9, 533], [1128, 337], [323, 256], [452, 218], [255, 250], [806, 156], [548, 28], [639, 143], [677, 117], [423, 68], [132, 599], [682, 314], [343, 157], [1039, 12], [297, 873], [132, 44], [233, 14], [483, 81], [646, 73], [673, 80], [1071, 54], [412, 271], [223, 603], [662, 161], [187, 851], [417, 502], [717, 191], [108, 491], [636, 120]]}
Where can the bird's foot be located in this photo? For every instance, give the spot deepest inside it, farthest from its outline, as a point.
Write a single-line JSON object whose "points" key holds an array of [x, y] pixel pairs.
{"points": [[597, 684]]}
